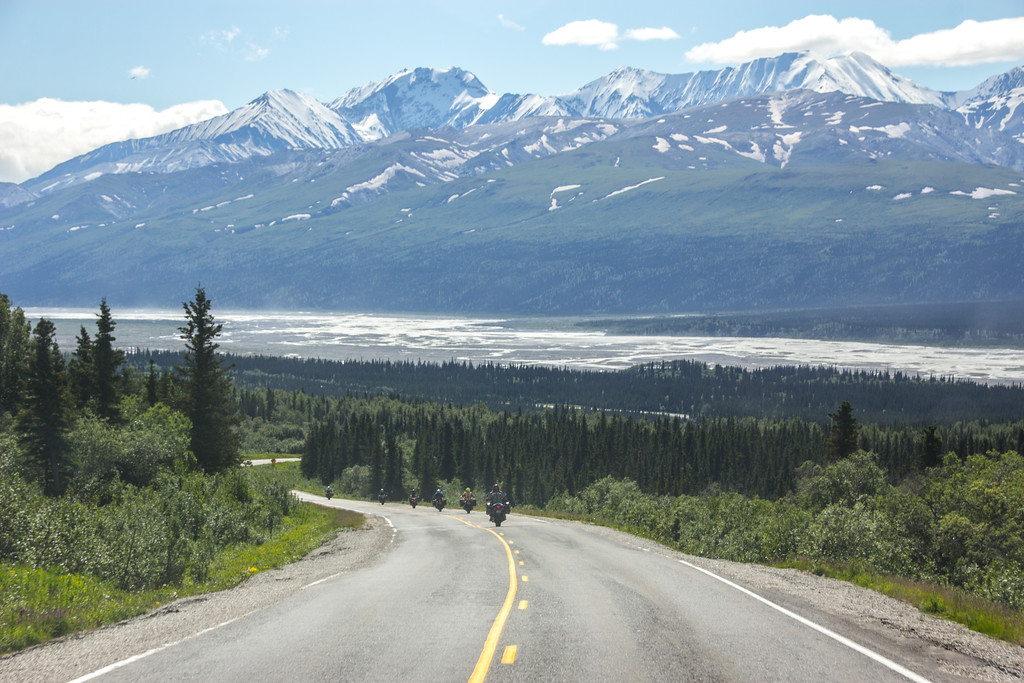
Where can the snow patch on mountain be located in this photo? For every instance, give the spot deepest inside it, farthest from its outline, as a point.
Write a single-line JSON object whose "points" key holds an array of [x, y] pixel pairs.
{"points": [[377, 183], [982, 193], [561, 188], [630, 188]]}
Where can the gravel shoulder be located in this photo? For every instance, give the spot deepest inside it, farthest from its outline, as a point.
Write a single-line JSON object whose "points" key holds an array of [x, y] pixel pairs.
{"points": [[977, 657]]}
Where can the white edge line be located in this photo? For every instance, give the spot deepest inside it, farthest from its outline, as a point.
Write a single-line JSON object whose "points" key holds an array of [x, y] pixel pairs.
{"points": [[124, 662], [903, 671], [134, 658]]}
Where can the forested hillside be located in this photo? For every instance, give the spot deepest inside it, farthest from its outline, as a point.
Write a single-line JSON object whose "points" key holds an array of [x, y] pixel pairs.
{"points": [[679, 388]]}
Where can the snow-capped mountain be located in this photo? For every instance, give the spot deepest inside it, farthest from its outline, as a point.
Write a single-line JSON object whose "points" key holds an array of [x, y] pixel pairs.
{"points": [[781, 198], [438, 99], [409, 100], [275, 121], [636, 93], [997, 103]]}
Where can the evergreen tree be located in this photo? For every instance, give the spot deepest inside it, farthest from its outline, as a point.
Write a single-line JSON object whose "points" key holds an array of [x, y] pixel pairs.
{"points": [[107, 362], [207, 389], [81, 371], [152, 395], [929, 448], [15, 332], [43, 420], [842, 440]]}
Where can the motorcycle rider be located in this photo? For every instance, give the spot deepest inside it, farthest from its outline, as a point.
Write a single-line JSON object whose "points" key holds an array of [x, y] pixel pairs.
{"points": [[330, 492], [495, 495], [467, 496], [382, 496], [438, 495]]}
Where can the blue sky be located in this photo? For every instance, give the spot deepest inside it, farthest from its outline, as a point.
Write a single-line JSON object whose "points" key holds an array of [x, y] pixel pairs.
{"points": [[75, 74]]}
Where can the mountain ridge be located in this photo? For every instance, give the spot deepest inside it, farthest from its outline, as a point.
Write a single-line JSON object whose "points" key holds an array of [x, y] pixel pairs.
{"points": [[425, 98], [786, 198]]}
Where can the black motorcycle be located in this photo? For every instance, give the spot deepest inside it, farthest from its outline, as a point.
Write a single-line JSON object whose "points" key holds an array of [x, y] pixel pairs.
{"points": [[499, 511], [439, 503], [468, 505], [382, 497], [413, 500], [329, 494]]}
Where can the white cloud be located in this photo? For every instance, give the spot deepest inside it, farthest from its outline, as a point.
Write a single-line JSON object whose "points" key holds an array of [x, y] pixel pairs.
{"points": [[971, 42], [589, 32], [36, 136], [508, 23], [255, 53], [221, 38], [603, 34], [139, 72], [663, 33]]}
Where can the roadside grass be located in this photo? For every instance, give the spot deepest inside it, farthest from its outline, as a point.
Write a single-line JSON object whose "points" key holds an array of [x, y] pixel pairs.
{"points": [[977, 614], [38, 605]]}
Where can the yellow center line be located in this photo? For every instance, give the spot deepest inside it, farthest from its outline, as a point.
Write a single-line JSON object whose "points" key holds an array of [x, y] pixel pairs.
{"points": [[510, 655], [483, 664]]}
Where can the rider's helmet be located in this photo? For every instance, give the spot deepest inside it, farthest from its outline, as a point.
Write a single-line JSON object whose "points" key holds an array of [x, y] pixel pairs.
{"points": [[494, 488], [467, 488]]}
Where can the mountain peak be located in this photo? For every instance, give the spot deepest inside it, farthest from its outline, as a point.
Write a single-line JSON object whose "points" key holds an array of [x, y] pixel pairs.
{"points": [[417, 98]]}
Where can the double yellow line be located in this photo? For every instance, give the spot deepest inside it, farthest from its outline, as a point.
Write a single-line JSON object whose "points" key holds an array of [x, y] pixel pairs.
{"points": [[483, 664]]}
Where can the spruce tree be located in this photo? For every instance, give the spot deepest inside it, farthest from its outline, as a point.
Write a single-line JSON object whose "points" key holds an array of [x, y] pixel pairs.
{"points": [[81, 371], [44, 419], [207, 389], [842, 440], [152, 395], [929, 448], [15, 332], [107, 362]]}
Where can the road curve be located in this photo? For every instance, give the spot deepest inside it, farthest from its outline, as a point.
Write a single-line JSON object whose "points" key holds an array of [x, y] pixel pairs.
{"points": [[456, 599]]}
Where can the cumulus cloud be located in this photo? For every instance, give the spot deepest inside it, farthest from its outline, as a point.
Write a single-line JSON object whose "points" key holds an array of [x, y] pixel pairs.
{"points": [[602, 34], [589, 32], [36, 136], [139, 72], [971, 42]]}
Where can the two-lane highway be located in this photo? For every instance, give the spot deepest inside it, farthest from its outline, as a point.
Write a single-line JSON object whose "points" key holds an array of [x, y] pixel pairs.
{"points": [[456, 599]]}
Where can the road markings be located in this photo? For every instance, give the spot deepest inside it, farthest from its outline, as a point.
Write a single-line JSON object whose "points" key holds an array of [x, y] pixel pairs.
{"points": [[888, 663], [135, 658], [510, 655], [522, 604], [526, 579], [483, 664]]}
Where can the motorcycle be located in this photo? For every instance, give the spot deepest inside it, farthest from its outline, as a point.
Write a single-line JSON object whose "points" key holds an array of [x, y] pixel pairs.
{"points": [[498, 513], [468, 505], [413, 500], [383, 498], [439, 503], [329, 494]]}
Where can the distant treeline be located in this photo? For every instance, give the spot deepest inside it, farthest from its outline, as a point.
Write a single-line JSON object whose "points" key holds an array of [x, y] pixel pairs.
{"points": [[368, 443], [998, 323], [684, 388]]}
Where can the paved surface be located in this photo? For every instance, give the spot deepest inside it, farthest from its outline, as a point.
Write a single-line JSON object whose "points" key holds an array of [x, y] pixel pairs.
{"points": [[447, 597]]}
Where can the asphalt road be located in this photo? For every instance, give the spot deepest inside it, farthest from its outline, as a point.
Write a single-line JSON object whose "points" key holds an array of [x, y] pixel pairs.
{"points": [[456, 599]]}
